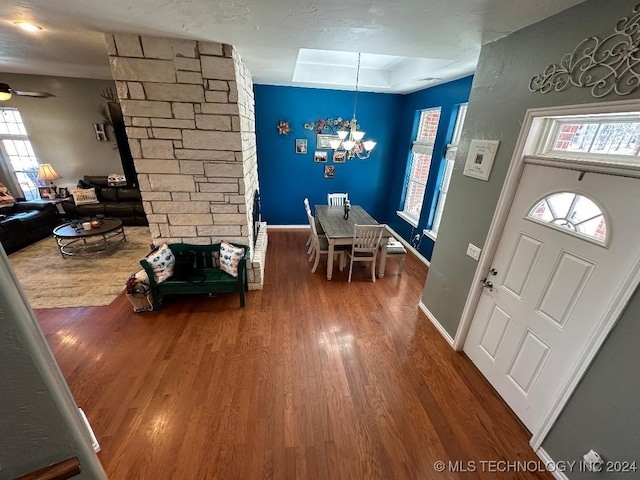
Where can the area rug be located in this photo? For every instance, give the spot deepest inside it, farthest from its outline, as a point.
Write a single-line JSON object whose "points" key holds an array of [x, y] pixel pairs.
{"points": [[50, 281]]}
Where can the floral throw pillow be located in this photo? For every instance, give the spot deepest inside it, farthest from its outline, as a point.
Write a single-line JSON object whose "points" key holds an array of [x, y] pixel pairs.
{"points": [[230, 257], [85, 196], [162, 262]]}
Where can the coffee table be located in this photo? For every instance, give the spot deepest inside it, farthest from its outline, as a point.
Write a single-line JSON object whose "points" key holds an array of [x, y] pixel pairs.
{"points": [[77, 242]]}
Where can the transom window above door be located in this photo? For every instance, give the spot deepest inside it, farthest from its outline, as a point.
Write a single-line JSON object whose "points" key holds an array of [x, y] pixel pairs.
{"points": [[573, 213], [608, 138]]}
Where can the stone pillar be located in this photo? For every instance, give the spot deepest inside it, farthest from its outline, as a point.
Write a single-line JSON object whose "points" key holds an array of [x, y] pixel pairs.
{"points": [[189, 111]]}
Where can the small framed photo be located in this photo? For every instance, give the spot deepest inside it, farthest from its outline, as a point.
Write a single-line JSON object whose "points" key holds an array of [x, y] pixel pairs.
{"points": [[63, 192], [320, 156], [480, 159], [47, 193], [329, 171], [339, 156], [301, 145], [324, 140]]}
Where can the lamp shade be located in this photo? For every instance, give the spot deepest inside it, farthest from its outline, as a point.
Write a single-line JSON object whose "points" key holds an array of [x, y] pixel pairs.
{"points": [[46, 172], [369, 145], [5, 92]]}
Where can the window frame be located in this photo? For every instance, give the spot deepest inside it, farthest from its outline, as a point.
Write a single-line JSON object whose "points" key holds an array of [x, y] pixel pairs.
{"points": [[587, 238], [7, 165], [427, 147], [448, 163], [551, 132]]}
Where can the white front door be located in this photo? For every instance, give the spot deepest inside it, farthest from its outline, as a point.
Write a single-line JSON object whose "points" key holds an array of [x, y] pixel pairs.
{"points": [[552, 286]]}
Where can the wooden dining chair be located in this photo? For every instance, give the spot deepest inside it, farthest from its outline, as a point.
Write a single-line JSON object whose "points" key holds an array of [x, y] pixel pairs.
{"points": [[309, 243], [321, 246], [337, 198], [366, 240], [319, 229]]}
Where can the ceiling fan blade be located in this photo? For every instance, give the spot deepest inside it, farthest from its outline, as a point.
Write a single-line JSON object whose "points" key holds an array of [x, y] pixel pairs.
{"points": [[32, 94]]}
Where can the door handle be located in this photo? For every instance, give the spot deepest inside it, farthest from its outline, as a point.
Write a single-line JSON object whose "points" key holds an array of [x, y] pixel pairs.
{"points": [[487, 283]]}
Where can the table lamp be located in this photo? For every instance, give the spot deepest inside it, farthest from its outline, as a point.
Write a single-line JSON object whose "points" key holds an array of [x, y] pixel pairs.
{"points": [[46, 172]]}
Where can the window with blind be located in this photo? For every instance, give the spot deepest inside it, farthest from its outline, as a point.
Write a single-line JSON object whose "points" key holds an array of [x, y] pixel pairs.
{"points": [[420, 164], [450, 157], [18, 155]]}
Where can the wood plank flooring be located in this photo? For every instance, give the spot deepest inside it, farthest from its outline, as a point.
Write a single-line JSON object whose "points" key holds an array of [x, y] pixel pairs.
{"points": [[312, 380]]}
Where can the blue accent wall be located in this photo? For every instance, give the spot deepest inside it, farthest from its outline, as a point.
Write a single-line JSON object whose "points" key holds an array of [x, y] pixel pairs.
{"points": [[448, 96], [287, 177], [376, 183]]}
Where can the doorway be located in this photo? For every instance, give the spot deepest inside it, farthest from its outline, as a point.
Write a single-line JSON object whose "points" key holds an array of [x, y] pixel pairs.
{"points": [[534, 133], [561, 259]]}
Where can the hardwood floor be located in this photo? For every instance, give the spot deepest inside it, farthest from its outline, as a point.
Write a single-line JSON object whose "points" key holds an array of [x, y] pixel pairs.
{"points": [[312, 380]]}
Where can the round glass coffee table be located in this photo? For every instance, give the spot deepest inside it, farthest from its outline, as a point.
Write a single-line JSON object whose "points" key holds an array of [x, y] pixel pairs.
{"points": [[75, 241]]}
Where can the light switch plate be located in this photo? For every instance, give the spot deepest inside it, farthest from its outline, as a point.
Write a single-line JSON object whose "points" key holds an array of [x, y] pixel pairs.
{"points": [[473, 251]]}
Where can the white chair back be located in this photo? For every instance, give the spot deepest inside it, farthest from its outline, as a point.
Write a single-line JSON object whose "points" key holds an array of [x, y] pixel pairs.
{"points": [[307, 207], [366, 240], [312, 224], [337, 198]]}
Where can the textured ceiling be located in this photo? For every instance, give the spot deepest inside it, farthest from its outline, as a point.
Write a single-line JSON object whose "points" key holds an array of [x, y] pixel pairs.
{"points": [[268, 33]]}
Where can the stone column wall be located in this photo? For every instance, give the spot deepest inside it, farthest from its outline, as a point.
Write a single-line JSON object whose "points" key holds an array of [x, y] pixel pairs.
{"points": [[189, 111]]}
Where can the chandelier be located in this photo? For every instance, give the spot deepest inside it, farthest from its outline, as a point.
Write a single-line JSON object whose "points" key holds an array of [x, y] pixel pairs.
{"points": [[351, 140]]}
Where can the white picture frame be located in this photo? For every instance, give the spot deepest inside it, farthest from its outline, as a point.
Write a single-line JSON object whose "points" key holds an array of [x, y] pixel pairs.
{"points": [[323, 140], [301, 145], [320, 156], [480, 159], [339, 156]]}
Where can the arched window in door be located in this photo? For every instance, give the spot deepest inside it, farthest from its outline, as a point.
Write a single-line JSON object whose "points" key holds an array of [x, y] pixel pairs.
{"points": [[572, 212]]}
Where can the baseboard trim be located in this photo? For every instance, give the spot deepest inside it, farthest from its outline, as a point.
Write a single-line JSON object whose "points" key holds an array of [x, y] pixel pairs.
{"points": [[94, 440], [288, 227], [550, 465], [436, 324], [409, 246]]}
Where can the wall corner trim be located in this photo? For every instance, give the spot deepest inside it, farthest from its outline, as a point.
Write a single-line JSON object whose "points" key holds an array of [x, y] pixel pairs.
{"points": [[550, 465], [436, 324]]}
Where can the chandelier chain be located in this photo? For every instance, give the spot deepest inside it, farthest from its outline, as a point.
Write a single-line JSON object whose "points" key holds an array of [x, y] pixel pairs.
{"points": [[355, 100]]}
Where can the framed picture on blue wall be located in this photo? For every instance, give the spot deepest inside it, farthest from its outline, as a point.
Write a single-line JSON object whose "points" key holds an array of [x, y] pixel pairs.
{"points": [[301, 145], [339, 156], [329, 171], [324, 140], [320, 156]]}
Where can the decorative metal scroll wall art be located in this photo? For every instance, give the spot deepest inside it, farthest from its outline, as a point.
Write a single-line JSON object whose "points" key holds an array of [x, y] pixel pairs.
{"points": [[608, 65]]}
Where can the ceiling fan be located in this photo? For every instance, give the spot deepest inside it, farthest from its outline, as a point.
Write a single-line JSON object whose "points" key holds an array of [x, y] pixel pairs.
{"points": [[6, 92]]}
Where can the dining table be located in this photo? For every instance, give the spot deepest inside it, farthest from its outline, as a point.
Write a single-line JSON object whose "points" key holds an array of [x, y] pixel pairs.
{"points": [[339, 231]]}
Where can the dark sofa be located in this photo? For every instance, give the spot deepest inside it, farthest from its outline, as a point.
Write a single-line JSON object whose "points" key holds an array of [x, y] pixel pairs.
{"points": [[124, 203], [26, 222]]}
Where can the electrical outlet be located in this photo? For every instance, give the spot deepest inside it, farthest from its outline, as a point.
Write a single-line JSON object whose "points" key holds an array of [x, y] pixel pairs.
{"points": [[593, 461], [473, 251]]}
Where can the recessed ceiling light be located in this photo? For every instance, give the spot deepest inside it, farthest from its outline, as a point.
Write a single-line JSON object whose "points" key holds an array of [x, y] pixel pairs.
{"points": [[29, 27]]}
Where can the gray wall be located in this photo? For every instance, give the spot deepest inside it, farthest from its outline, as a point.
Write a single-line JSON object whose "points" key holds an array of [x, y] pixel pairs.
{"points": [[61, 128], [39, 422], [497, 105], [603, 412]]}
